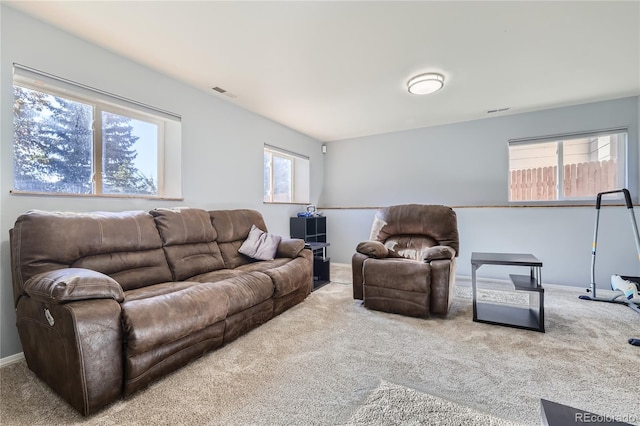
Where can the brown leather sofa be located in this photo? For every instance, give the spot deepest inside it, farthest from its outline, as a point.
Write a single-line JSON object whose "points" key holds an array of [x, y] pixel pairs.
{"points": [[408, 264], [108, 302]]}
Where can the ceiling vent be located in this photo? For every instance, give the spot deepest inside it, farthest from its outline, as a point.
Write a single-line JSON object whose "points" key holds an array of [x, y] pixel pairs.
{"points": [[493, 111], [223, 92]]}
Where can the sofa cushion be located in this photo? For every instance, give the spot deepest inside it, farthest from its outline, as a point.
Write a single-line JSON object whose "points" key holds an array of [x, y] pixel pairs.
{"points": [[290, 247], [130, 269], [263, 265], [189, 241], [46, 241], [231, 256], [260, 245], [184, 225], [155, 321], [218, 275], [291, 276], [232, 227], [188, 260], [246, 290], [157, 290]]}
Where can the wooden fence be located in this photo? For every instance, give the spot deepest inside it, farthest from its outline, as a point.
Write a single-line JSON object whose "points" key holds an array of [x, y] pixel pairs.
{"points": [[580, 180]]}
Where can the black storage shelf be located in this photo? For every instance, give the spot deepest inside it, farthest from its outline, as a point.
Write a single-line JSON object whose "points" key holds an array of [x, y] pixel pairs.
{"points": [[513, 316], [525, 283], [311, 229]]}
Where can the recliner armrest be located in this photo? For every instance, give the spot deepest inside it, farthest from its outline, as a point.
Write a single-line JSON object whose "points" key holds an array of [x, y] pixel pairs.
{"points": [[72, 284], [374, 249], [438, 253], [377, 250], [289, 247]]}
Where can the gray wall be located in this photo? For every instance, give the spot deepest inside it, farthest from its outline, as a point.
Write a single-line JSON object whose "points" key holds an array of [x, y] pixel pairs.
{"points": [[222, 144], [465, 165]]}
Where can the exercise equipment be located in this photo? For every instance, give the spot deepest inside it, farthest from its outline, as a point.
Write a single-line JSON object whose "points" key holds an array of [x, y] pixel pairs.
{"points": [[626, 287]]}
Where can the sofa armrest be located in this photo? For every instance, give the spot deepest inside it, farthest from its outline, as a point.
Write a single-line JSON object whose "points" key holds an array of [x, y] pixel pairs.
{"points": [[438, 253], [71, 284], [76, 348], [289, 247]]}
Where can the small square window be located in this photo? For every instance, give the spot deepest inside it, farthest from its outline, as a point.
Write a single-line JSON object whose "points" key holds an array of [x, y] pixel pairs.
{"points": [[286, 177]]}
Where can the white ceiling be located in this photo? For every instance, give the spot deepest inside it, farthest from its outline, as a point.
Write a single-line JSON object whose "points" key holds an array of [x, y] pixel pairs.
{"points": [[336, 70]]}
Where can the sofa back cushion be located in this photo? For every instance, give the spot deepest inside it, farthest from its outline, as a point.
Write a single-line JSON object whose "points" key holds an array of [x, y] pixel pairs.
{"points": [[233, 227], [124, 245], [189, 241]]}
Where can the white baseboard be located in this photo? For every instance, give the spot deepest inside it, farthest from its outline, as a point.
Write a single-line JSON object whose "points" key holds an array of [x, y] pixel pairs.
{"points": [[11, 359]]}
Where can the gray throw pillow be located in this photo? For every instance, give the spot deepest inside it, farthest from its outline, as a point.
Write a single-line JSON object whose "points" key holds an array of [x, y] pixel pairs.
{"points": [[260, 245]]}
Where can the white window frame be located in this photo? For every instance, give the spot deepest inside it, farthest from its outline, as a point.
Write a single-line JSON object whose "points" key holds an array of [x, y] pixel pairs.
{"points": [[622, 163], [102, 101], [300, 180]]}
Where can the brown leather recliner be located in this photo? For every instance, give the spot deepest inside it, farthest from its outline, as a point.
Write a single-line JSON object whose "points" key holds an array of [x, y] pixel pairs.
{"points": [[408, 265]]}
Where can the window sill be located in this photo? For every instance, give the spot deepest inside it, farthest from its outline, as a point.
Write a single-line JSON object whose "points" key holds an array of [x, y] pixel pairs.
{"points": [[293, 203], [126, 196]]}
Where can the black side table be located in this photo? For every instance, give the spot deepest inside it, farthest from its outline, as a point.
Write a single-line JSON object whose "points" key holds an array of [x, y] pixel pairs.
{"points": [[530, 318]]}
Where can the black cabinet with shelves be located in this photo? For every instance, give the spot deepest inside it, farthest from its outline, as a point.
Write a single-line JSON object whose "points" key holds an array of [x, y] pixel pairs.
{"points": [[313, 230]]}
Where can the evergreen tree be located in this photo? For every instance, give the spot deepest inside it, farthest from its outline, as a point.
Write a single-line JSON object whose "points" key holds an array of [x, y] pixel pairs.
{"points": [[52, 143], [120, 174], [53, 147], [70, 138], [30, 157]]}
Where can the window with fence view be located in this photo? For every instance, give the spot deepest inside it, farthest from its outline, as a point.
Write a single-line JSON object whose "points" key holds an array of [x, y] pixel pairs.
{"points": [[574, 167]]}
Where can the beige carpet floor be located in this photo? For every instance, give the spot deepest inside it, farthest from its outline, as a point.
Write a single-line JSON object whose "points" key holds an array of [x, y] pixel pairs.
{"points": [[391, 404], [320, 362]]}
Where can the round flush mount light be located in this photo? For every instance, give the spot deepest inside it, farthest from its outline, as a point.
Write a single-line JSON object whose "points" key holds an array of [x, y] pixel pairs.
{"points": [[424, 84]]}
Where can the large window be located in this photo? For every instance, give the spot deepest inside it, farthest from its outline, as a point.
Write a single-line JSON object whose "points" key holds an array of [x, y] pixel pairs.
{"points": [[72, 139], [570, 167], [286, 176]]}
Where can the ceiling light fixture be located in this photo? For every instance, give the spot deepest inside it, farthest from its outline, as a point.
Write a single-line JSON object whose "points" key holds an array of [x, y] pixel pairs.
{"points": [[424, 84]]}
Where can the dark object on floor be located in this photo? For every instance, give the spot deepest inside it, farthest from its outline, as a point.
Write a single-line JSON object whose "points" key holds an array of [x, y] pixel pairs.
{"points": [[634, 342], [554, 414]]}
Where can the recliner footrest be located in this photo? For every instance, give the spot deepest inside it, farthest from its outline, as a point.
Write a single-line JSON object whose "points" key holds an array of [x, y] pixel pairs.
{"points": [[397, 286]]}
